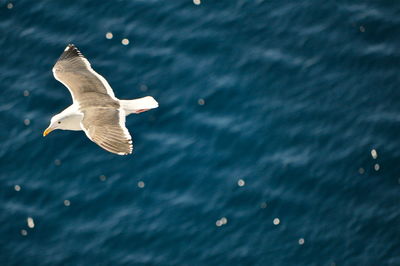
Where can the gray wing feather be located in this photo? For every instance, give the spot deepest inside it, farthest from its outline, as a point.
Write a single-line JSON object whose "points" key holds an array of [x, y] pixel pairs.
{"points": [[87, 87], [106, 127]]}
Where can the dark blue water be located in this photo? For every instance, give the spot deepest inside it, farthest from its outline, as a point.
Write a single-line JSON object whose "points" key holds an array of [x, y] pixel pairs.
{"points": [[270, 112]]}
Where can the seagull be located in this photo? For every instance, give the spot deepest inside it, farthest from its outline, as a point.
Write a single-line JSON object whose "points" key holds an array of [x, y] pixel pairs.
{"points": [[94, 109]]}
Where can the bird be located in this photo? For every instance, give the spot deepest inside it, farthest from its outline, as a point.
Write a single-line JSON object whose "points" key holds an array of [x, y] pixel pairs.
{"points": [[94, 108]]}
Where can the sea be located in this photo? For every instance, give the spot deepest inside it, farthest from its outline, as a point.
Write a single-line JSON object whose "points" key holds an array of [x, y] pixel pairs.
{"points": [[276, 140]]}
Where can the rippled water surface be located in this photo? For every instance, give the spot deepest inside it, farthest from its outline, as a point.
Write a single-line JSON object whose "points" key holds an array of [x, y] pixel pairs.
{"points": [[276, 141]]}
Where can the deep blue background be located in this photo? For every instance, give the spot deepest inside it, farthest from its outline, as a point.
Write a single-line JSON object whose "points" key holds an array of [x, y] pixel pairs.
{"points": [[296, 94]]}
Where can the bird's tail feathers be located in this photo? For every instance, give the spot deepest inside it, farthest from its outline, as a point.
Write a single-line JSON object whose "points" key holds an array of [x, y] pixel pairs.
{"points": [[138, 105]]}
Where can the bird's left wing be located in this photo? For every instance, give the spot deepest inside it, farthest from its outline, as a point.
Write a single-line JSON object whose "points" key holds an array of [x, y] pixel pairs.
{"points": [[74, 71]]}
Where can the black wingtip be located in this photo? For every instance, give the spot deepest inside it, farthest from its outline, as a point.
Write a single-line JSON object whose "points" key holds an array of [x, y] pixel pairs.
{"points": [[70, 52]]}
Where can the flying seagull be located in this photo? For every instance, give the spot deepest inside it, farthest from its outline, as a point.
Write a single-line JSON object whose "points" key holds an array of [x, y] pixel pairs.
{"points": [[95, 109]]}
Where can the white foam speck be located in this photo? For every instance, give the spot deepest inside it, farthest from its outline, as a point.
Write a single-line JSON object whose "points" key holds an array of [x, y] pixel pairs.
{"points": [[24, 232], [67, 203], [221, 222], [377, 167], [276, 221], [201, 101], [109, 35], [27, 122], [10, 5], [301, 241], [374, 153], [241, 183], [26, 93], [224, 220], [30, 222], [125, 41], [140, 184], [196, 2], [17, 188]]}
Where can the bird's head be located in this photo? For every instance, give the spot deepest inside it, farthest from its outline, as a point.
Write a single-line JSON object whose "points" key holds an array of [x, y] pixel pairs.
{"points": [[56, 122]]}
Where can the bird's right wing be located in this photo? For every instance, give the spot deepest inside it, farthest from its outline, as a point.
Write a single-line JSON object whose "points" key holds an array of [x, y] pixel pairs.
{"points": [[106, 127]]}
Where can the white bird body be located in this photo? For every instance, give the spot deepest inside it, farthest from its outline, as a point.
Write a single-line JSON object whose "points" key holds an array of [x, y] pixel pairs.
{"points": [[71, 117], [95, 109]]}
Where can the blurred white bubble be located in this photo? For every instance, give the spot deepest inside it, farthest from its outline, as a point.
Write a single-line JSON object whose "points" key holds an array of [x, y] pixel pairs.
{"points": [[125, 41], [241, 183], [24, 232], [10, 5], [374, 153], [201, 101], [197, 2], [67, 203], [362, 28], [224, 220], [27, 122], [221, 222], [17, 188], [140, 184], [361, 170], [263, 205], [276, 221], [102, 177], [109, 35], [26, 93], [30, 222], [377, 167], [57, 162], [301, 241]]}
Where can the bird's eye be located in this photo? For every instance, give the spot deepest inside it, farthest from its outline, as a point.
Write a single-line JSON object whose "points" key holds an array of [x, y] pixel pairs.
{"points": [[59, 122]]}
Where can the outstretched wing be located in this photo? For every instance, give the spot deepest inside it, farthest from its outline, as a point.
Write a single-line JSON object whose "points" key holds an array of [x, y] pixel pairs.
{"points": [[106, 127], [74, 71]]}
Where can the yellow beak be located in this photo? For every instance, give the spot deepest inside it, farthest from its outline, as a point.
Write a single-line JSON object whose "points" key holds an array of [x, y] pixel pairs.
{"points": [[47, 131]]}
